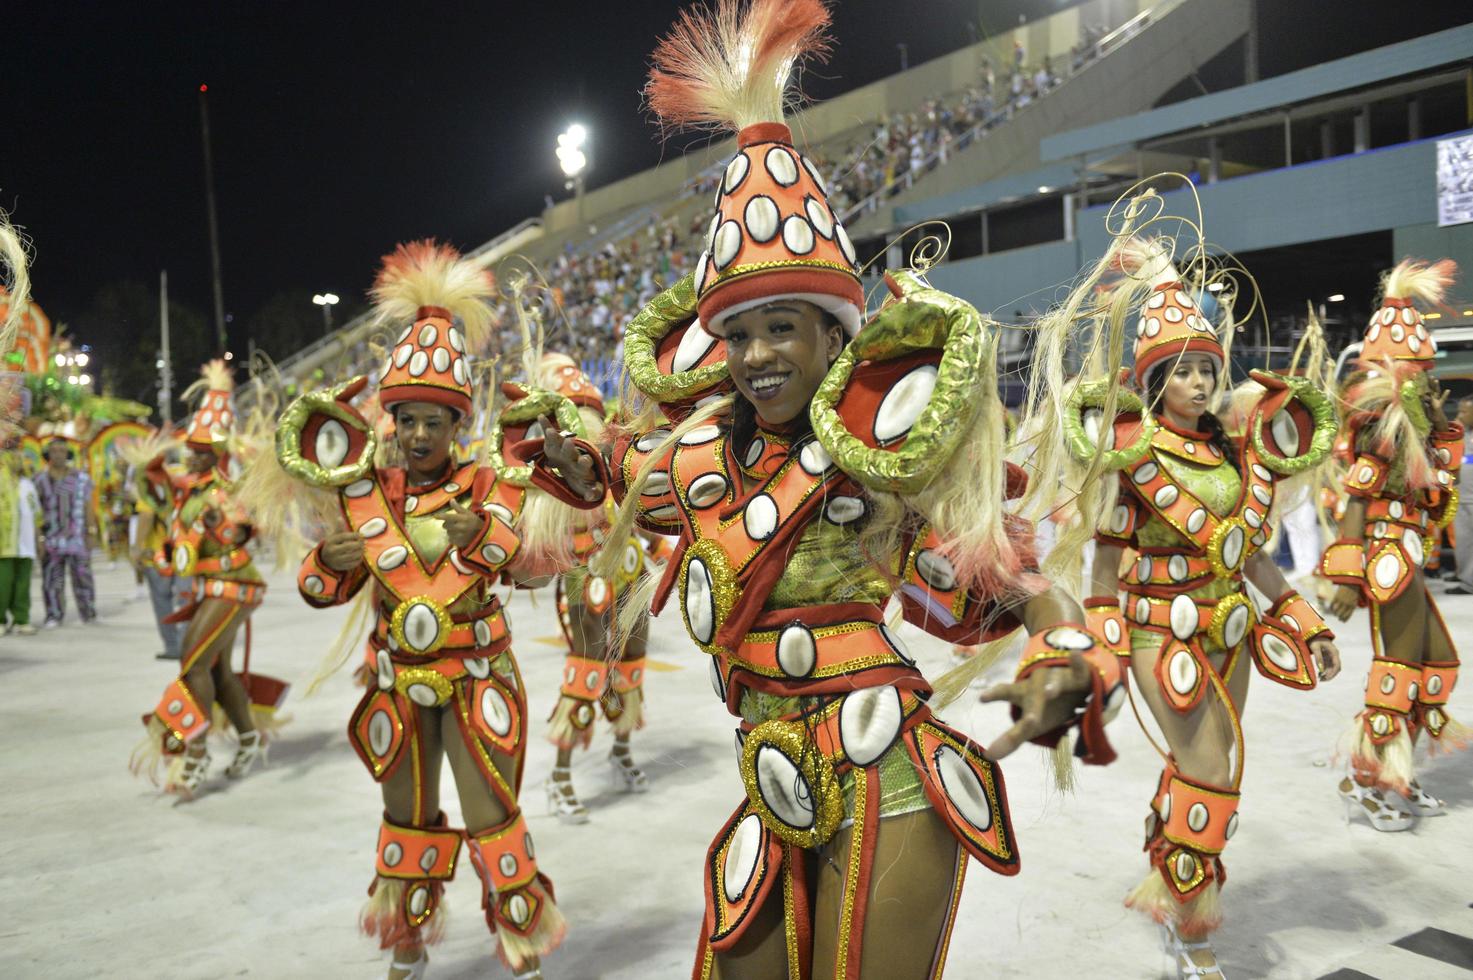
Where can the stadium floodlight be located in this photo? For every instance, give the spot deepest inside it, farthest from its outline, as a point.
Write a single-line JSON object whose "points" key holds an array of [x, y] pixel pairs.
{"points": [[1335, 298], [570, 155], [327, 301]]}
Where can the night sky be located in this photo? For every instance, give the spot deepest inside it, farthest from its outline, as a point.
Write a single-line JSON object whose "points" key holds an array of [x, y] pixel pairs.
{"points": [[342, 128]]}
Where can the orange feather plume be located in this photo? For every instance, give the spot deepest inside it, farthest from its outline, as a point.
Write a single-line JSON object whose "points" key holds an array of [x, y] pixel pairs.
{"points": [[727, 66], [1426, 282], [427, 273]]}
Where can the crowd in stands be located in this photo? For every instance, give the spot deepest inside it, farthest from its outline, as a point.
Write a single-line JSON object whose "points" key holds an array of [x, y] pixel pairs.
{"points": [[599, 290], [593, 290]]}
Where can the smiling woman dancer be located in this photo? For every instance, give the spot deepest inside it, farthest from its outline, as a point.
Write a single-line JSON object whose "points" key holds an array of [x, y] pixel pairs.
{"points": [[1195, 508], [429, 538], [1403, 456], [856, 460]]}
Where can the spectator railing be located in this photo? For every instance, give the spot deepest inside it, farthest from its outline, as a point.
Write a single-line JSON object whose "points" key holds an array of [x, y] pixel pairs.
{"points": [[1105, 45], [343, 338]]}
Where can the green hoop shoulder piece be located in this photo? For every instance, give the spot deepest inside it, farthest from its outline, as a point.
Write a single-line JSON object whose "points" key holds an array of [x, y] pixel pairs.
{"points": [[900, 397], [1293, 426], [522, 419], [670, 356], [1118, 443], [323, 441]]}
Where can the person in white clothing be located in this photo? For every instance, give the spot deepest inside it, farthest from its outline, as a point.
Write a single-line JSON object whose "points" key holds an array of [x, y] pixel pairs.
{"points": [[19, 509]]}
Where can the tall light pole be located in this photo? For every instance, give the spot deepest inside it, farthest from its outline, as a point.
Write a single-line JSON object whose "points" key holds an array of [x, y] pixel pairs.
{"points": [[327, 301], [204, 117], [166, 369], [573, 160]]}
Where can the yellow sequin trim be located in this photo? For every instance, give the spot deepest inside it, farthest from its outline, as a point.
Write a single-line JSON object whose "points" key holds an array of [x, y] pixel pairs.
{"points": [[407, 677], [442, 617], [724, 588], [956, 900], [851, 877], [790, 739], [1214, 548], [752, 268], [790, 920], [1216, 628], [289, 439]]}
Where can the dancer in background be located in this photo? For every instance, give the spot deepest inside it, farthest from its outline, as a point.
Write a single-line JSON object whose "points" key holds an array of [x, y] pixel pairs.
{"points": [[148, 533], [1403, 456], [1195, 508], [424, 539], [587, 603], [208, 540]]}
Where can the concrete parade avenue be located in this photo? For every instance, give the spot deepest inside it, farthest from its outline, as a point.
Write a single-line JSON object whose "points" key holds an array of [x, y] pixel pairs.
{"points": [[104, 876]]}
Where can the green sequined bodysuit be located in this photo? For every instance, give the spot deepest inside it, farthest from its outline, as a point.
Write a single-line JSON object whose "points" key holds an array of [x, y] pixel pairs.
{"points": [[828, 566], [1218, 486]]}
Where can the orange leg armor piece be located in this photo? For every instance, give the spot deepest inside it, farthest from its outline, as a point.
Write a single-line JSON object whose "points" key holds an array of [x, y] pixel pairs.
{"points": [[584, 683], [413, 865], [1430, 712], [517, 898], [181, 716], [1382, 753], [1189, 827]]}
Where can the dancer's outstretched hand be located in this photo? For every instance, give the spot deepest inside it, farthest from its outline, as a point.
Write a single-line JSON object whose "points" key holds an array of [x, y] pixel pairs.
{"points": [[1047, 698], [1327, 656], [1343, 602], [572, 463]]}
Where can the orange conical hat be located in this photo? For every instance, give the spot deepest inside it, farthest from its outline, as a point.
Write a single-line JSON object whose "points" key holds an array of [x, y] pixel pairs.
{"points": [[560, 373], [774, 234], [1396, 330], [1170, 322], [443, 297], [214, 418]]}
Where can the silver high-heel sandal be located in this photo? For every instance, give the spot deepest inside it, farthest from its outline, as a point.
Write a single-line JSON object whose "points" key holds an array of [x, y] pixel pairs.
{"points": [[414, 970], [562, 798], [633, 777], [1421, 803], [1181, 953], [1369, 803], [533, 974], [191, 776], [252, 750]]}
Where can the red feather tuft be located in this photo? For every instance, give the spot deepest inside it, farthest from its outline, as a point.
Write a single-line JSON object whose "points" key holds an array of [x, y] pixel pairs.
{"points": [[789, 29], [410, 257], [727, 65]]}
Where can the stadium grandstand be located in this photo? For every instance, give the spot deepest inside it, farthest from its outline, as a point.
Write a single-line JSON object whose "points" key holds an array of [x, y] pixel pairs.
{"points": [[1020, 143]]}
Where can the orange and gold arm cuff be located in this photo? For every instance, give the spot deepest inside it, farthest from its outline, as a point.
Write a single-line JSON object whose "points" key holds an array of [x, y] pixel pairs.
{"points": [[1301, 616], [1103, 617], [321, 587], [1054, 647]]}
